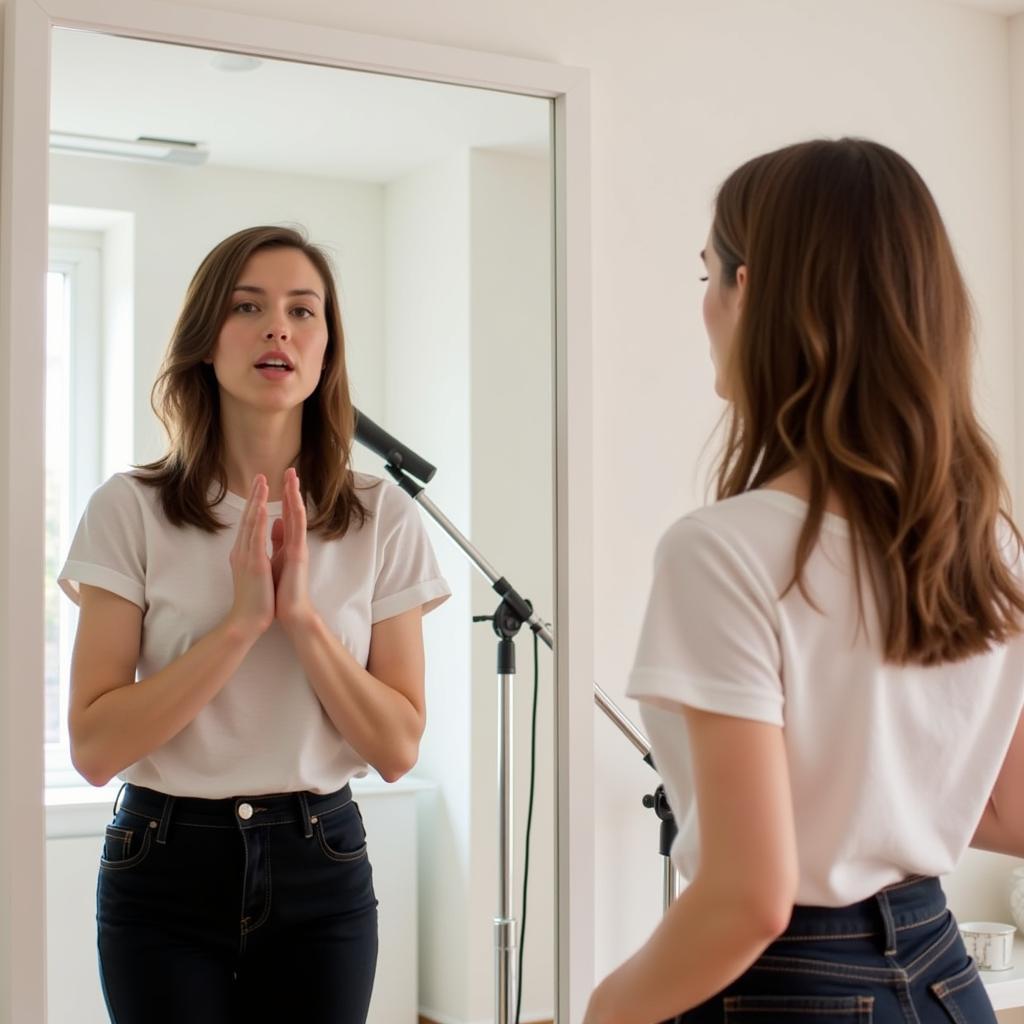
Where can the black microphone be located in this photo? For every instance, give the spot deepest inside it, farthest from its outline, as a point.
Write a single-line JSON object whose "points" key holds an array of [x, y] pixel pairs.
{"points": [[392, 451]]}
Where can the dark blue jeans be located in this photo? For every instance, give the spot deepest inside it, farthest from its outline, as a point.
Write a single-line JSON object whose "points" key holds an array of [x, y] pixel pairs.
{"points": [[246, 909], [894, 958]]}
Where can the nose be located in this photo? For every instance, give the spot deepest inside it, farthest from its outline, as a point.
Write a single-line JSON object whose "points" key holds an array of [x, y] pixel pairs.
{"points": [[279, 332]]}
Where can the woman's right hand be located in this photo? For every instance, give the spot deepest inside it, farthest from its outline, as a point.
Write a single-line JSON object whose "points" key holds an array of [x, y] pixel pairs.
{"points": [[253, 607]]}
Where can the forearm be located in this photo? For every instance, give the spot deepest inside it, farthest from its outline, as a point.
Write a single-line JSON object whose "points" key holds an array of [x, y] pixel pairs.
{"points": [[708, 938], [380, 723], [125, 724]]}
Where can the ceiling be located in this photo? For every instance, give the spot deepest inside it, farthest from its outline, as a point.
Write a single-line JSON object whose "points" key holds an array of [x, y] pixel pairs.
{"points": [[281, 116]]}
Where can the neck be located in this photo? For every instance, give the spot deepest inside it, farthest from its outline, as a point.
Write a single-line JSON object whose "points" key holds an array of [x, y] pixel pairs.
{"points": [[259, 442], [796, 482]]}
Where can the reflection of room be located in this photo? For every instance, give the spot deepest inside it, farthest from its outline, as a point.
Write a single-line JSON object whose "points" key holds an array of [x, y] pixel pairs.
{"points": [[443, 263]]}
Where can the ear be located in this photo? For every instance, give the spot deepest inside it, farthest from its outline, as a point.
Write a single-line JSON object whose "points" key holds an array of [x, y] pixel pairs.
{"points": [[741, 285]]}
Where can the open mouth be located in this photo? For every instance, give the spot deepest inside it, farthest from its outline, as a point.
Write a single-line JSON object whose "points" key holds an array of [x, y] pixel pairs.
{"points": [[274, 364]]}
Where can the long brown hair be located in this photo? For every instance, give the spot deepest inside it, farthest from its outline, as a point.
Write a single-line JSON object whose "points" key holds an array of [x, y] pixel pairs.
{"points": [[186, 398], [852, 359]]}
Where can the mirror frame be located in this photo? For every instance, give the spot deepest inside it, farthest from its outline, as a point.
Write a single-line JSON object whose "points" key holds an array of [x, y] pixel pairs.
{"points": [[23, 260]]}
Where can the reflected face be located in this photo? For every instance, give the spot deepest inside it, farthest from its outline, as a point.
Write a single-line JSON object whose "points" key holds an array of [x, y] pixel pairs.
{"points": [[271, 347], [722, 305]]}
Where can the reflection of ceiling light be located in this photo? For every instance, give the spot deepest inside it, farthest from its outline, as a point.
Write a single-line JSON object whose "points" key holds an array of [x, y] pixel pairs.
{"points": [[170, 151], [235, 62]]}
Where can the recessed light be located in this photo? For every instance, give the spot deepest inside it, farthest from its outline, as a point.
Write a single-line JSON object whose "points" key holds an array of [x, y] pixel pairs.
{"points": [[235, 62]]}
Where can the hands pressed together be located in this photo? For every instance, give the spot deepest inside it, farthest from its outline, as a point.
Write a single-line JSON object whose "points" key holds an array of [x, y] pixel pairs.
{"points": [[275, 586]]}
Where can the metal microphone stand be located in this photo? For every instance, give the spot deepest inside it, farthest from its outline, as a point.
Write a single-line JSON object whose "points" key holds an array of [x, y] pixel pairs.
{"points": [[513, 612], [657, 801]]}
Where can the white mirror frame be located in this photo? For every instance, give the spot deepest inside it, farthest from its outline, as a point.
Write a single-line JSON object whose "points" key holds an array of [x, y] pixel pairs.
{"points": [[23, 261]]}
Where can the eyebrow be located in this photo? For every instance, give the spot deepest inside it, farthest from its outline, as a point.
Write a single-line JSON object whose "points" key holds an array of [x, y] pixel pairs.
{"points": [[262, 291]]}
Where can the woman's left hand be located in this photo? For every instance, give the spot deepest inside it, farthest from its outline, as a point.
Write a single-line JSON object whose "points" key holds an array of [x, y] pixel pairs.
{"points": [[290, 558]]}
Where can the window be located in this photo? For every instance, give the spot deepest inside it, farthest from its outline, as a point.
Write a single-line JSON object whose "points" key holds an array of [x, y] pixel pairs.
{"points": [[73, 464]]}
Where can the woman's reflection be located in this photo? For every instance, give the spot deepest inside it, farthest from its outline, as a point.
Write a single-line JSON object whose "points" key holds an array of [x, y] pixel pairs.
{"points": [[249, 641]]}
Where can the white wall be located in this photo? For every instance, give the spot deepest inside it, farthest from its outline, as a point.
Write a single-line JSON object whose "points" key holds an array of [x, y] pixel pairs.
{"points": [[513, 523], [986, 872], [468, 374], [1017, 169], [427, 326], [182, 212], [681, 93]]}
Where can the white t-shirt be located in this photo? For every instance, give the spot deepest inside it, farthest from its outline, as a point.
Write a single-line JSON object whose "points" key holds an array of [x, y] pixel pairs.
{"points": [[891, 767], [265, 731]]}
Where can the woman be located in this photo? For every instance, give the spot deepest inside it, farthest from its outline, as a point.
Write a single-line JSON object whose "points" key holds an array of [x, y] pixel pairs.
{"points": [[831, 669], [269, 600]]}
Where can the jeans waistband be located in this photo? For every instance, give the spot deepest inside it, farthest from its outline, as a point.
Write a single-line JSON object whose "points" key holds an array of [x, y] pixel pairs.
{"points": [[237, 812], [915, 901]]}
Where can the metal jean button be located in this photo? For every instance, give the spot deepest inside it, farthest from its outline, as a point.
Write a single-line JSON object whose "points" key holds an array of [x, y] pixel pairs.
{"points": [[245, 811]]}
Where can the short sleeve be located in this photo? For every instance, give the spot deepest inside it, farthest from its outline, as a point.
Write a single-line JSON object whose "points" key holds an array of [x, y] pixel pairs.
{"points": [[710, 635], [408, 575], [109, 546]]}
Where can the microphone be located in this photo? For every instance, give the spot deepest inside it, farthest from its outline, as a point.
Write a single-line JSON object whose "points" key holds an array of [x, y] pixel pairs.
{"points": [[391, 450]]}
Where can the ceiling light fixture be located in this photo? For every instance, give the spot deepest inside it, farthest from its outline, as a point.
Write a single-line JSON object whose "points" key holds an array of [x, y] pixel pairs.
{"points": [[235, 62], [148, 148]]}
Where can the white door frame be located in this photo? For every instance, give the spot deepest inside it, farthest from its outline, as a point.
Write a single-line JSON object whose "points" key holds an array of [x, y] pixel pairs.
{"points": [[23, 254]]}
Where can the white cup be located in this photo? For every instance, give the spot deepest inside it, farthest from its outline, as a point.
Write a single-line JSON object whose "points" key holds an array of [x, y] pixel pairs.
{"points": [[990, 943]]}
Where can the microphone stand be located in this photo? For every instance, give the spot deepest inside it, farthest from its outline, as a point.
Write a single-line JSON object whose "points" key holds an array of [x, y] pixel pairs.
{"points": [[512, 613], [656, 801]]}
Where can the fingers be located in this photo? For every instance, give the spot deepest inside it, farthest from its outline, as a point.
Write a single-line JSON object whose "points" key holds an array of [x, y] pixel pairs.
{"points": [[276, 541], [258, 542], [295, 520], [242, 536], [254, 528]]}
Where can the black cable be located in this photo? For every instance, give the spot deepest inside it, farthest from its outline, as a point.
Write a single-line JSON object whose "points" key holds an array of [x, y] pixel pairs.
{"points": [[529, 819]]}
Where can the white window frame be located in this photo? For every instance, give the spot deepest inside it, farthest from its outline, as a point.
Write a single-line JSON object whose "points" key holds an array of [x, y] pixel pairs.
{"points": [[78, 255], [96, 246]]}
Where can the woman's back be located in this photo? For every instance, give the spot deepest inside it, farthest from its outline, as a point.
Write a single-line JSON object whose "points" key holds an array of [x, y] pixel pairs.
{"points": [[891, 766]]}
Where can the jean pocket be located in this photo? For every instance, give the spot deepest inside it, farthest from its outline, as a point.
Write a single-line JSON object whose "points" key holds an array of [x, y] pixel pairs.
{"points": [[799, 1009], [964, 998], [341, 834], [124, 848]]}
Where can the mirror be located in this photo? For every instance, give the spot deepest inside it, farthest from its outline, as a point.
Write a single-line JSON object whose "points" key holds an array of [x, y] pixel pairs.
{"points": [[435, 202]]}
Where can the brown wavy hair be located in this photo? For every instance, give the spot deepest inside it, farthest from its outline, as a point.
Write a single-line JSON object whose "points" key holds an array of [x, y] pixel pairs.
{"points": [[852, 359], [186, 398]]}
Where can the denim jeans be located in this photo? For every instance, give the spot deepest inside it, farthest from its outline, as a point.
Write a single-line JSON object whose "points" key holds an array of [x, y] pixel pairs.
{"points": [[246, 909], [894, 958]]}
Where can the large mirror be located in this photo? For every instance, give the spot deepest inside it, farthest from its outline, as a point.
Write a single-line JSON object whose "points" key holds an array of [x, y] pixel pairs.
{"points": [[436, 204]]}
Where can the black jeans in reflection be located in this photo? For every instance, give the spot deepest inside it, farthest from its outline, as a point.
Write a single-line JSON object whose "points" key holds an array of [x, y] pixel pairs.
{"points": [[246, 909]]}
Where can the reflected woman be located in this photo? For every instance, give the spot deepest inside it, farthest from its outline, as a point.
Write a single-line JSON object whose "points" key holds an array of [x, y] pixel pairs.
{"points": [[249, 640], [831, 667]]}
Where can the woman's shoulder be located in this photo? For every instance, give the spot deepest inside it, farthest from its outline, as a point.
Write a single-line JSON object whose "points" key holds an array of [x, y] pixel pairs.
{"points": [[380, 496], [753, 533], [741, 515], [122, 488], [127, 496]]}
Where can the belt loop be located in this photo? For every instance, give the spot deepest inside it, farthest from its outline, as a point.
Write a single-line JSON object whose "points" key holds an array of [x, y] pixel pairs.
{"points": [[887, 920], [307, 823], [165, 821], [117, 799]]}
